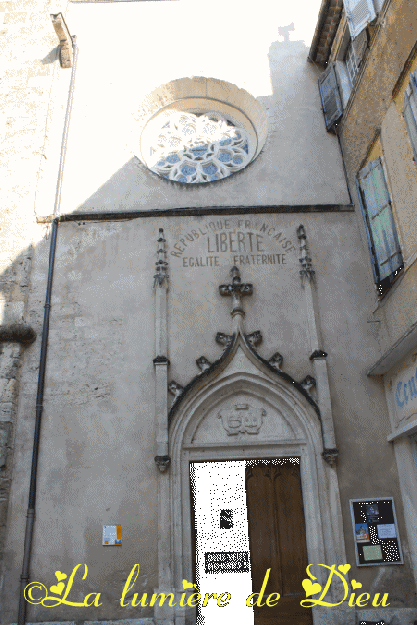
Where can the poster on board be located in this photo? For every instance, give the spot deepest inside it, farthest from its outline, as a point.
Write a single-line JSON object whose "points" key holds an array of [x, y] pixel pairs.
{"points": [[375, 531]]}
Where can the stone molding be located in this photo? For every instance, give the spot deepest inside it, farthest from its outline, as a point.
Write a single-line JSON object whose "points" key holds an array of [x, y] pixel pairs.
{"points": [[17, 333], [241, 371], [201, 94], [65, 40], [318, 356]]}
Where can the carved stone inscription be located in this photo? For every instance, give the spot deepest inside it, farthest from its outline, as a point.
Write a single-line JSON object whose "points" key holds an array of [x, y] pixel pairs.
{"points": [[243, 418], [233, 241]]}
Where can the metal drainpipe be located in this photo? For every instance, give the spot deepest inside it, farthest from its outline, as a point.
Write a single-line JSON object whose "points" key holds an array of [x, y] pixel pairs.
{"points": [[24, 578]]}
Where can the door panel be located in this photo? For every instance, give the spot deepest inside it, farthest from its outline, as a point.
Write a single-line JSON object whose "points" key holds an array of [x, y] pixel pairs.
{"points": [[277, 539]]}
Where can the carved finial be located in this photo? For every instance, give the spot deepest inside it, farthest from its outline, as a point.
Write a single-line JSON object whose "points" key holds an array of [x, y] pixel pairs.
{"points": [[306, 270], [224, 339], [318, 354], [330, 456], [276, 361], [308, 383], [162, 462], [161, 264], [254, 339], [175, 389], [237, 290], [203, 364]]}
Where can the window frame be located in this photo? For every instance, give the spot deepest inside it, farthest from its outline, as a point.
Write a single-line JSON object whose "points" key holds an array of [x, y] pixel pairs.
{"points": [[382, 284], [410, 103], [413, 441], [351, 63]]}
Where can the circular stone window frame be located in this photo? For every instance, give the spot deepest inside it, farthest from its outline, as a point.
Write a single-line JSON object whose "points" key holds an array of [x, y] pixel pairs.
{"points": [[201, 96]]}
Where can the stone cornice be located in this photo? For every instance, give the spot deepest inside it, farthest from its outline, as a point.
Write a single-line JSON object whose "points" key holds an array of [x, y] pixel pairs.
{"points": [[328, 21], [17, 333]]}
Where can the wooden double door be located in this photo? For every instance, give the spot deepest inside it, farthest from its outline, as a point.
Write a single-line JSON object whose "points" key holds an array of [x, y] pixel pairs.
{"points": [[248, 517]]}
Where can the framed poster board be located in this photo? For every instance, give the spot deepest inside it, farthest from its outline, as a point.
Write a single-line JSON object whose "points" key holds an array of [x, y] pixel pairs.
{"points": [[375, 531]]}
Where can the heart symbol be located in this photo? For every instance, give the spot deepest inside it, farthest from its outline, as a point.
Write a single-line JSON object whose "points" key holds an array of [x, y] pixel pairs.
{"points": [[186, 584], [58, 589], [60, 575], [310, 588], [344, 568], [356, 584]]}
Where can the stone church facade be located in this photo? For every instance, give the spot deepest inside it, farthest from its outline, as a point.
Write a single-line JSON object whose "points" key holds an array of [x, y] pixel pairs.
{"points": [[187, 289]]}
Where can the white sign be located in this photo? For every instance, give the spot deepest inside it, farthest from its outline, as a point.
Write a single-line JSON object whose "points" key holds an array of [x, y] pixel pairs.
{"points": [[112, 534], [404, 392], [386, 530]]}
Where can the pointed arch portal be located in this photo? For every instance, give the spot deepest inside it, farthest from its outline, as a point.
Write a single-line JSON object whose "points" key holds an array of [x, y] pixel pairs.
{"points": [[246, 412], [243, 408]]}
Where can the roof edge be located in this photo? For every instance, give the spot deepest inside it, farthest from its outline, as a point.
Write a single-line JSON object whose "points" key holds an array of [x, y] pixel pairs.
{"points": [[329, 17]]}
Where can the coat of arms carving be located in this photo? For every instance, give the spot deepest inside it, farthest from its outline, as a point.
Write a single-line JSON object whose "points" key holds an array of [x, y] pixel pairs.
{"points": [[242, 418]]}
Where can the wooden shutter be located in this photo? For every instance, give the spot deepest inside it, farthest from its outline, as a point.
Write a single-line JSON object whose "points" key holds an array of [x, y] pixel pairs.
{"points": [[368, 232], [379, 220], [359, 13], [330, 98], [410, 112]]}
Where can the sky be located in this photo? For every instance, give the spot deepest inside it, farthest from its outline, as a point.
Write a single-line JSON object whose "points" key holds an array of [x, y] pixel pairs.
{"points": [[265, 16]]}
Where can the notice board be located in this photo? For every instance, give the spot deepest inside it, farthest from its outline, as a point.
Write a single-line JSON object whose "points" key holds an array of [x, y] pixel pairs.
{"points": [[375, 531]]}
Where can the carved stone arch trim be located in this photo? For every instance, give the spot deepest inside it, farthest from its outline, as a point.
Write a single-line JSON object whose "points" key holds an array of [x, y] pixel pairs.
{"points": [[325, 541], [275, 393], [211, 371]]}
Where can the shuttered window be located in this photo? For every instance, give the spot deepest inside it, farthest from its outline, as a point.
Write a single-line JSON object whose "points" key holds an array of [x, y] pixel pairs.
{"points": [[330, 98], [410, 111], [382, 235], [359, 13], [351, 63]]}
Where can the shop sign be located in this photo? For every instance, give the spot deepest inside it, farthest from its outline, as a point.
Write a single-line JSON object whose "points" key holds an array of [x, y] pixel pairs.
{"points": [[404, 392]]}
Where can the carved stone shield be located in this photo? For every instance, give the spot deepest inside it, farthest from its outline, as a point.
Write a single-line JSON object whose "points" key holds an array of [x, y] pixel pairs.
{"points": [[243, 418]]}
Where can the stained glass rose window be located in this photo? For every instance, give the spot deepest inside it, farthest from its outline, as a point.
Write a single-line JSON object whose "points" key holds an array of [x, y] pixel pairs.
{"points": [[198, 147]]}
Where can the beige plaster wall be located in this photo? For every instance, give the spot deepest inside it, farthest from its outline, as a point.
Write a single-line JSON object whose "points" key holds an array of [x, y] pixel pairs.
{"points": [[98, 431], [153, 43], [96, 465]]}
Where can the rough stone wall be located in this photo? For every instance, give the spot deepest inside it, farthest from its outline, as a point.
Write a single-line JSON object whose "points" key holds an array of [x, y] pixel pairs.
{"points": [[386, 58], [29, 51], [372, 112], [10, 360]]}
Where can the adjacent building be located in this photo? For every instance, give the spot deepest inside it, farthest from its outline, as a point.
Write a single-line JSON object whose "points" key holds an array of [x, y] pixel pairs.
{"points": [[369, 97]]}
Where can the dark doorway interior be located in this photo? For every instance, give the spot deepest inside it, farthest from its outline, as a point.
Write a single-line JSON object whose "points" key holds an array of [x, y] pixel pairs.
{"points": [[221, 540]]}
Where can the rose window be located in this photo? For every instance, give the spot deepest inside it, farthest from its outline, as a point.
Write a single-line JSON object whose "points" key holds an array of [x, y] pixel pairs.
{"points": [[192, 148]]}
